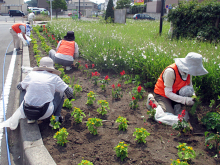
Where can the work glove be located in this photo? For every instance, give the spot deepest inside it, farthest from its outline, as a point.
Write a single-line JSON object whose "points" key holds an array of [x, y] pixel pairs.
{"points": [[189, 101], [28, 42]]}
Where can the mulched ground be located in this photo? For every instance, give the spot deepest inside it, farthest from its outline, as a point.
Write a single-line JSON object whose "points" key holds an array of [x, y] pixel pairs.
{"points": [[160, 146]]}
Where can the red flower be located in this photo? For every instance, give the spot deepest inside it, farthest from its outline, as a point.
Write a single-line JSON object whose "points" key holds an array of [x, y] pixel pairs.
{"points": [[44, 26], [57, 41], [79, 61], [48, 35], [180, 117], [171, 134], [119, 85], [122, 73], [139, 89], [151, 103], [207, 145], [113, 86], [160, 122], [93, 65], [86, 66], [183, 113], [154, 106], [106, 77], [53, 38], [93, 74], [133, 98]]}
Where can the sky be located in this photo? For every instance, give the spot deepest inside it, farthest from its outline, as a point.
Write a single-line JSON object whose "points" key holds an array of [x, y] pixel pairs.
{"points": [[95, 1]]}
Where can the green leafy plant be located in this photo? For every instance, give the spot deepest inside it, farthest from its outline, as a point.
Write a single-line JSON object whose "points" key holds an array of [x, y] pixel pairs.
{"points": [[212, 103], [116, 92], [78, 114], [95, 76], [71, 84], [182, 126], [152, 110], [121, 150], [68, 103], [141, 135], [133, 104], [62, 72], [104, 106], [212, 121], [56, 124], [195, 105], [91, 96], [123, 123], [212, 140], [85, 162], [61, 136], [178, 162], [185, 152], [92, 125], [104, 82], [66, 79], [77, 89]]}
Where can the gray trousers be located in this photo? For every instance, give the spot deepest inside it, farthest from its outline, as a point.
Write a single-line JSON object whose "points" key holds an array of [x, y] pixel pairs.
{"points": [[58, 60], [16, 39], [57, 102]]}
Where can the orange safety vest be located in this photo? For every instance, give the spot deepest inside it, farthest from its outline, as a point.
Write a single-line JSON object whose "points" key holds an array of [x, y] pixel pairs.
{"points": [[177, 85], [67, 48], [15, 27]]}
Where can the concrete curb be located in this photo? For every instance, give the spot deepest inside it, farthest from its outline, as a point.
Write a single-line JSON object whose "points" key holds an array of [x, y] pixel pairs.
{"points": [[34, 151]]}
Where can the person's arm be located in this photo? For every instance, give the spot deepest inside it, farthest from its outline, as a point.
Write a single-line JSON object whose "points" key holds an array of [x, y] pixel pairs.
{"points": [[169, 77], [69, 93], [58, 45], [76, 53]]}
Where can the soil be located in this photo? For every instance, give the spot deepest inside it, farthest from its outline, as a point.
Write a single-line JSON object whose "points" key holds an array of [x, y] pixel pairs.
{"points": [[158, 150]]}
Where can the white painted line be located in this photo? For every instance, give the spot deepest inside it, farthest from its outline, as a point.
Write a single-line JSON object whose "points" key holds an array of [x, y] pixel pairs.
{"points": [[7, 87]]}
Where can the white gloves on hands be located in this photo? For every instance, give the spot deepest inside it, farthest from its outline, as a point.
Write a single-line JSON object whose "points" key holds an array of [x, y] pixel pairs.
{"points": [[189, 101], [28, 42]]}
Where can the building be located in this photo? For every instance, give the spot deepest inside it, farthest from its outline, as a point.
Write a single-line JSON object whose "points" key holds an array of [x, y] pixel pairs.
{"points": [[43, 4], [84, 5], [7, 5]]}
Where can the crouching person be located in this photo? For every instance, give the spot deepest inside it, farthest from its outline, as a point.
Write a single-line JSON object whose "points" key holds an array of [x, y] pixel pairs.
{"points": [[44, 92]]}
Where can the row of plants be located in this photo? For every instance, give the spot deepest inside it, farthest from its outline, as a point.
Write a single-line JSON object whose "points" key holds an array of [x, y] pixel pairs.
{"points": [[78, 114]]}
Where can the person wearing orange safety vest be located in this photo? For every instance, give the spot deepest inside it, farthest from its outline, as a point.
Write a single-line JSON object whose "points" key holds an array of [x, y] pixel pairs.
{"points": [[174, 79], [66, 51], [14, 30]]}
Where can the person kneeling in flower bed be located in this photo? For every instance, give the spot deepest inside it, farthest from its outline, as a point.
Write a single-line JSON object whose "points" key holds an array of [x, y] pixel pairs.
{"points": [[176, 76], [66, 51], [43, 92]]}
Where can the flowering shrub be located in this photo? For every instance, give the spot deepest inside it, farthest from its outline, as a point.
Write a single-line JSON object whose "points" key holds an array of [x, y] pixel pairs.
{"points": [[92, 125], [77, 89], [95, 76], [178, 162], [104, 82], [212, 140], [66, 79], [90, 98], [78, 115], [123, 123], [61, 136], [141, 135], [182, 125], [152, 110], [68, 103], [133, 104], [104, 107], [138, 92], [62, 72], [116, 92], [54, 123], [121, 150], [185, 152], [85, 162]]}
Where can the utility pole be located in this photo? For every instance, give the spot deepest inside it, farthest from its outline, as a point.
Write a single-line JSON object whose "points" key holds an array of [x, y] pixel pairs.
{"points": [[161, 16], [51, 10], [79, 10]]}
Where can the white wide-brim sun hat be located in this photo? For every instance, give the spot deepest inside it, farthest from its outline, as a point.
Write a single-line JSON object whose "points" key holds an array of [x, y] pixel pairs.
{"points": [[46, 63], [191, 64]]}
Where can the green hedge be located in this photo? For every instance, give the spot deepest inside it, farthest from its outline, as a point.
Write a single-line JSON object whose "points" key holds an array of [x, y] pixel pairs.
{"points": [[193, 19]]}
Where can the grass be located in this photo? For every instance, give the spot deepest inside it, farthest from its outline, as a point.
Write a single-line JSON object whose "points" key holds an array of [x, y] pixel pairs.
{"points": [[137, 48]]}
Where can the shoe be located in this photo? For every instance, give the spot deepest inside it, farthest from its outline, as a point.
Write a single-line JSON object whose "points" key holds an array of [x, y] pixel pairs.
{"points": [[149, 97], [68, 67], [30, 121]]}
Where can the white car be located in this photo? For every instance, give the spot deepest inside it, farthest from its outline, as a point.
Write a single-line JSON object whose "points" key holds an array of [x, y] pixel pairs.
{"points": [[39, 10]]}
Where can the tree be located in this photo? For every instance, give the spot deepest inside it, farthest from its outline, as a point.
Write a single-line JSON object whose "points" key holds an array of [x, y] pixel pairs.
{"points": [[121, 4], [32, 3], [110, 10], [57, 5]]}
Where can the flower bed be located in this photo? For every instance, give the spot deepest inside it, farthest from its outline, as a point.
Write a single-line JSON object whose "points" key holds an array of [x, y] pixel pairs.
{"points": [[101, 148]]}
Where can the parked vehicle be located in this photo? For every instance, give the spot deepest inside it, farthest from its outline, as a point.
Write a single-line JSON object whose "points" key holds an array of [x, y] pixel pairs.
{"points": [[143, 16], [15, 13], [39, 10]]}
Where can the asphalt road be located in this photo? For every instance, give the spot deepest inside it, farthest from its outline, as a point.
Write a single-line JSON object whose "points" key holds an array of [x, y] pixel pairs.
{"points": [[5, 38]]}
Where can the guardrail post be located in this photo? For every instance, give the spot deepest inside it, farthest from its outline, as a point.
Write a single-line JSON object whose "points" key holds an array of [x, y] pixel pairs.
{"points": [[5, 19], [14, 19]]}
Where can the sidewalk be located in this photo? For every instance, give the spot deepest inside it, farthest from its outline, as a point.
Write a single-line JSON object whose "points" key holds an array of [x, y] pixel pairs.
{"points": [[34, 151]]}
